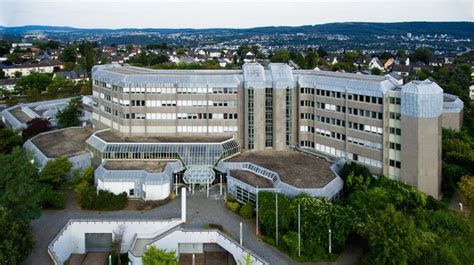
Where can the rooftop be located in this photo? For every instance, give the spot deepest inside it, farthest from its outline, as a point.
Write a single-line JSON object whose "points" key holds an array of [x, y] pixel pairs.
{"points": [[67, 142], [149, 166], [20, 115], [251, 178], [110, 136], [297, 169]]}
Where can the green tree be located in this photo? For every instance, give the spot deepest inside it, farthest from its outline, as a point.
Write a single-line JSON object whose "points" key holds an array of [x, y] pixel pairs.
{"points": [[156, 256], [55, 171], [19, 190], [14, 58], [8, 140], [321, 52], [466, 188], [90, 57], [69, 116], [312, 59], [375, 71], [422, 55], [392, 237], [36, 82], [280, 56], [300, 61], [69, 54], [16, 239]]}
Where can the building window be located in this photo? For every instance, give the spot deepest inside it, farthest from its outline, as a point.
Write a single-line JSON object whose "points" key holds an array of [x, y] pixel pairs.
{"points": [[269, 117], [131, 192], [250, 120], [288, 116]]}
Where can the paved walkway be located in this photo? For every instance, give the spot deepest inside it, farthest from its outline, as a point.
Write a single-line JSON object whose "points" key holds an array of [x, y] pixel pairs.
{"points": [[200, 211]]}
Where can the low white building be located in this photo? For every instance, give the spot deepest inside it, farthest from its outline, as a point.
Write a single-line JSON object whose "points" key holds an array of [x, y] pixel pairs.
{"points": [[28, 68], [376, 63], [147, 180]]}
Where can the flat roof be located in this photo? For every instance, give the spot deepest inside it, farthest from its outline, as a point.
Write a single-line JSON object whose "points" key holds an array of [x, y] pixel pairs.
{"points": [[66, 142], [251, 178], [295, 168], [20, 115], [111, 136], [150, 166]]}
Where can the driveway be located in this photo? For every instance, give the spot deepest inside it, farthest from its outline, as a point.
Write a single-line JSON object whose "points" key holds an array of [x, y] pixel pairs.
{"points": [[200, 211]]}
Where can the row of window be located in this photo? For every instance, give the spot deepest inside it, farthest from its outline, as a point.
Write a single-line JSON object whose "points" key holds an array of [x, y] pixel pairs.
{"points": [[365, 160], [396, 131], [395, 163], [395, 115], [205, 129], [332, 121], [332, 107], [395, 146], [366, 113], [365, 143], [169, 90], [329, 134], [364, 127], [191, 116], [396, 101], [307, 103]]}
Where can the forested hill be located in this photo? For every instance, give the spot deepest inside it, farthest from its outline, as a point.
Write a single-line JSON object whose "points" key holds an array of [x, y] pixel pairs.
{"points": [[458, 29]]}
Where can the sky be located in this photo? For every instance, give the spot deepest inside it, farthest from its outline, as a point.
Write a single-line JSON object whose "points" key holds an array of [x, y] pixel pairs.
{"points": [[225, 13]]}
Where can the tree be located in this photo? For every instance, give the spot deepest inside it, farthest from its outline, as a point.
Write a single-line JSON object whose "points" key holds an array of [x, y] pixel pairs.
{"points": [[69, 54], [280, 56], [37, 82], [422, 55], [69, 116], [8, 140], [55, 171], [117, 242], [89, 55], [19, 190], [466, 188], [14, 58], [392, 237], [300, 61], [311, 60], [375, 71], [35, 127], [156, 256], [16, 239], [321, 52]]}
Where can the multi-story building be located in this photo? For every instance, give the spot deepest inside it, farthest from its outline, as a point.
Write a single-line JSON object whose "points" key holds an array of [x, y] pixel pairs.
{"points": [[392, 129]]}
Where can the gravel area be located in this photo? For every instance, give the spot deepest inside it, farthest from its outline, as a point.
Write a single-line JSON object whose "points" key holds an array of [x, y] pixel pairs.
{"points": [[67, 142], [110, 136]]}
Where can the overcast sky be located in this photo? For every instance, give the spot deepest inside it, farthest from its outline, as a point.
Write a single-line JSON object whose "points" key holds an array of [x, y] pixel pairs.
{"points": [[225, 13]]}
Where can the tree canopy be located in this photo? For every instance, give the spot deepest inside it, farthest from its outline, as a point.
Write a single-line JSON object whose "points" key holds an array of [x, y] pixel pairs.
{"points": [[69, 116], [35, 127], [157, 256], [8, 140]]}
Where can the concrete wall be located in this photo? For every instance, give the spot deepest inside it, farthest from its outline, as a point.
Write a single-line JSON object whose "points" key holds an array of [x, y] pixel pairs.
{"points": [[421, 153], [72, 238], [452, 120]]}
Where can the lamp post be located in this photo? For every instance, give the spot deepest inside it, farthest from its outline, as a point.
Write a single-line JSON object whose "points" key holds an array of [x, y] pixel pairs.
{"points": [[256, 213], [241, 233], [276, 217]]}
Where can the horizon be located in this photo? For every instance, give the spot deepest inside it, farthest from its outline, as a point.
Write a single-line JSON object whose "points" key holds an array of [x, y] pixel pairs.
{"points": [[164, 14], [263, 26]]}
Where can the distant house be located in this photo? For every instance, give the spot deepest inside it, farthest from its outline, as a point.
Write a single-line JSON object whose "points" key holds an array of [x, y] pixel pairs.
{"points": [[437, 61], [8, 84], [403, 60], [332, 59], [376, 63], [401, 70], [28, 68], [74, 75], [388, 64], [223, 63], [249, 57], [214, 53]]}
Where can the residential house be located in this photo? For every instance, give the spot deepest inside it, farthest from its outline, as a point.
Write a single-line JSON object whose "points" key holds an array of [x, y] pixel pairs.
{"points": [[249, 57], [28, 68], [74, 75], [376, 63], [401, 70]]}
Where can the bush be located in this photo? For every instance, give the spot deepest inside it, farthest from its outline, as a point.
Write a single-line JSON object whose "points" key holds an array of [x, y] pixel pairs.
{"points": [[246, 211], [53, 199], [102, 200], [290, 243], [233, 206]]}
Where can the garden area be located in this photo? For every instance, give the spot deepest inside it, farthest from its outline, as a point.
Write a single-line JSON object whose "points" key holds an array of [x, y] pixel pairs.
{"points": [[397, 223]]}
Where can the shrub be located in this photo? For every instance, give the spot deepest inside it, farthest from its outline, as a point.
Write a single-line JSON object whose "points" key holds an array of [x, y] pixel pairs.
{"points": [[290, 243], [102, 200], [53, 199], [246, 211], [233, 206]]}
